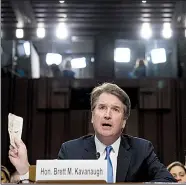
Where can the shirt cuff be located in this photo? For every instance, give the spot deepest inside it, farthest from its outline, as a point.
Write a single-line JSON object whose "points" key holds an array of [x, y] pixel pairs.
{"points": [[25, 176]]}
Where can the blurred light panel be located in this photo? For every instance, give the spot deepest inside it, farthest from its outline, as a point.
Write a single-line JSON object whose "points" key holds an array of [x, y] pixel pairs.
{"points": [[78, 63], [122, 55], [19, 33], [158, 55], [53, 58], [26, 46]]}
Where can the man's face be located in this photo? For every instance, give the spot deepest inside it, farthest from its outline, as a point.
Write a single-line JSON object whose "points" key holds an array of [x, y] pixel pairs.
{"points": [[108, 116]]}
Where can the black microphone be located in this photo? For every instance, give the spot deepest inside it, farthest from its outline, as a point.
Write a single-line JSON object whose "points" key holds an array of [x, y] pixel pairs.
{"points": [[97, 155]]}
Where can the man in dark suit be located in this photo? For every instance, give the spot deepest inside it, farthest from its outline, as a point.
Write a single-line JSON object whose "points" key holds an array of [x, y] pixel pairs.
{"points": [[129, 159], [136, 161]]}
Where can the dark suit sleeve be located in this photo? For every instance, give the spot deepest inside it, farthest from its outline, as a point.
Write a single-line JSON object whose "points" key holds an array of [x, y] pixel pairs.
{"points": [[63, 152], [157, 172]]}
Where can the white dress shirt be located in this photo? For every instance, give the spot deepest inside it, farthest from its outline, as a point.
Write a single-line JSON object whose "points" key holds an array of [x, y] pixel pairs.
{"points": [[100, 147]]}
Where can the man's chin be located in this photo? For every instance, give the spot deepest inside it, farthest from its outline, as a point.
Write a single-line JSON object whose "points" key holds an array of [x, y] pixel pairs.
{"points": [[106, 133]]}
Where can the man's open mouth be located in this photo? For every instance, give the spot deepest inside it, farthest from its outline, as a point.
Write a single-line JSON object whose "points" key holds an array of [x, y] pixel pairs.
{"points": [[106, 125]]}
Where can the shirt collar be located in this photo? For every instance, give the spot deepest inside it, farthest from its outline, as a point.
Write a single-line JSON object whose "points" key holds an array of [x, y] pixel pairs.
{"points": [[100, 147]]}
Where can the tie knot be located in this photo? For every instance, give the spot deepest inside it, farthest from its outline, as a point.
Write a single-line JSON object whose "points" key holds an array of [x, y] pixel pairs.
{"points": [[108, 150]]}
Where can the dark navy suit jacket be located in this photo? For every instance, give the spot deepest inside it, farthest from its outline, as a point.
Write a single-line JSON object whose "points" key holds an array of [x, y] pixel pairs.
{"points": [[136, 161]]}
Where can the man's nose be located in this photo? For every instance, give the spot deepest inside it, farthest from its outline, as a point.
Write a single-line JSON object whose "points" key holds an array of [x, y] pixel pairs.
{"points": [[107, 114]]}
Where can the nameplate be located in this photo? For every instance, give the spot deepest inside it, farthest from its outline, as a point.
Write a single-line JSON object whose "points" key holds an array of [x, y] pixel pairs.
{"points": [[71, 170]]}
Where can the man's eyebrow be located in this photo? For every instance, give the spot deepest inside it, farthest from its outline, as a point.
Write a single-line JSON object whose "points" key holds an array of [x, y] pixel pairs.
{"points": [[101, 104], [115, 106]]}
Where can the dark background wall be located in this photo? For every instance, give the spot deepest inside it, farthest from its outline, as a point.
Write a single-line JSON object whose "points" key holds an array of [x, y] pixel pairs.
{"points": [[57, 110]]}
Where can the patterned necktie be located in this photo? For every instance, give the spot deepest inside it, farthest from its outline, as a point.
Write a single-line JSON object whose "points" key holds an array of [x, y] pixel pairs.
{"points": [[109, 165]]}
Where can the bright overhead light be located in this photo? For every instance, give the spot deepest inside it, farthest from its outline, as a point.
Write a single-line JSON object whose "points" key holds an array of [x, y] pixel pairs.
{"points": [[61, 31], [146, 31], [167, 31], [40, 25], [20, 24], [40, 32], [19, 33], [144, 1], [61, 1]]}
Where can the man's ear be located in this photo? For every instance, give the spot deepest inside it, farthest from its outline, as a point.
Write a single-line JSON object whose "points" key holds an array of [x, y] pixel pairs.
{"points": [[92, 118], [124, 123]]}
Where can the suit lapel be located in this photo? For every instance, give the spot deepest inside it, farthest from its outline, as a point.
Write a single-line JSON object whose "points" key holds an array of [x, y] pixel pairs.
{"points": [[89, 148], [124, 156], [123, 161]]}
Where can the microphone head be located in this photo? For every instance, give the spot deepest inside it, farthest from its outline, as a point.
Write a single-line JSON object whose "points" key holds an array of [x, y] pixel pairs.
{"points": [[97, 155]]}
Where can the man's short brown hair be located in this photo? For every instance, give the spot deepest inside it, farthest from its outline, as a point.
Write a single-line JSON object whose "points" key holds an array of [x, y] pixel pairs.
{"points": [[114, 90]]}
